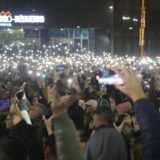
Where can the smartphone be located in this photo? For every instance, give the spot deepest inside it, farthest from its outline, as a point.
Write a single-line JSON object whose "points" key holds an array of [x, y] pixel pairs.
{"points": [[146, 85], [108, 77], [120, 120], [4, 104], [61, 68], [21, 100], [20, 94]]}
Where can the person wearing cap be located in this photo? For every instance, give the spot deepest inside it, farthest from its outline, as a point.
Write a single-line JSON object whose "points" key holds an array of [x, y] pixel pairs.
{"points": [[106, 143], [91, 105]]}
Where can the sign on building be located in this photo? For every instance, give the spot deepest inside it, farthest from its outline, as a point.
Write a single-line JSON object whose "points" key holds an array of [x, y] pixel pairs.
{"points": [[7, 19]]}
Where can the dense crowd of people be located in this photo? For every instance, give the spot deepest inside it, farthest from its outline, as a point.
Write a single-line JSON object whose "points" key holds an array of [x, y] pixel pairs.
{"points": [[53, 108], [45, 58]]}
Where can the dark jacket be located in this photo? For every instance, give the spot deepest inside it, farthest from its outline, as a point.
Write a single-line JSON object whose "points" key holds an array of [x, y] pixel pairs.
{"points": [[106, 144], [76, 113], [149, 122], [27, 134]]}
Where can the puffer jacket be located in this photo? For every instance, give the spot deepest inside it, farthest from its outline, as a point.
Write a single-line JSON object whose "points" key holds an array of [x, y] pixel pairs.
{"points": [[149, 122]]}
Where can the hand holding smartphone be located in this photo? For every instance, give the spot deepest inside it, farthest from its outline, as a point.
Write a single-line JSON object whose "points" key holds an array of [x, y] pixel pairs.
{"points": [[109, 77]]}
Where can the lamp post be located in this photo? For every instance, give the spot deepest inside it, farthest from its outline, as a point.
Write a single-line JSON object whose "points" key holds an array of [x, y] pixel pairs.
{"points": [[142, 29], [112, 27]]}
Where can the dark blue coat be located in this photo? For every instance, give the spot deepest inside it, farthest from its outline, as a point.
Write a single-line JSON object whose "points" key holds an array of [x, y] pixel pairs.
{"points": [[149, 122]]}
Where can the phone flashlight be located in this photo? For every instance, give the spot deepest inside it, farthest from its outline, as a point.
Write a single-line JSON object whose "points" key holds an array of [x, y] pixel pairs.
{"points": [[70, 81]]}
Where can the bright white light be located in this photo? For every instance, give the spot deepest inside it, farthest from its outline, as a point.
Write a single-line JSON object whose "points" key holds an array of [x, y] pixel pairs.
{"points": [[10, 31], [130, 28], [22, 19], [38, 74], [30, 72], [126, 18], [29, 19], [111, 7], [135, 20], [6, 19], [150, 67], [70, 81], [84, 61]]}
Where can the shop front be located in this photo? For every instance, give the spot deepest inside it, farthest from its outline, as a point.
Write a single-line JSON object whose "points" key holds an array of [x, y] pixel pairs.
{"points": [[17, 28]]}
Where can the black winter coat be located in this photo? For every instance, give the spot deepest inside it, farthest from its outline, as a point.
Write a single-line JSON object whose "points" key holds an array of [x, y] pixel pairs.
{"points": [[27, 134]]}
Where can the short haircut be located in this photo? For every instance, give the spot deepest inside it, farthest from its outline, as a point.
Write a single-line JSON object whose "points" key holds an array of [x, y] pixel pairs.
{"points": [[12, 148], [105, 114]]}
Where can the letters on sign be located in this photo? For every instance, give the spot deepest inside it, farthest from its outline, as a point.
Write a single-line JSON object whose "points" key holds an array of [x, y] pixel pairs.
{"points": [[7, 17]]}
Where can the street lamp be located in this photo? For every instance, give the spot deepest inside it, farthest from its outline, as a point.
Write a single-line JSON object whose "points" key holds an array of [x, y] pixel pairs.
{"points": [[142, 29], [135, 20], [111, 7], [130, 28], [126, 18]]}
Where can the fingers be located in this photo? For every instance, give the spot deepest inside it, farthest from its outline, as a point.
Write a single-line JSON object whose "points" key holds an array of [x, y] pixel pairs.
{"points": [[76, 87], [120, 127], [120, 88], [69, 100], [122, 124], [44, 118], [53, 93], [64, 103], [124, 72], [51, 117], [22, 86], [14, 109], [13, 100]]}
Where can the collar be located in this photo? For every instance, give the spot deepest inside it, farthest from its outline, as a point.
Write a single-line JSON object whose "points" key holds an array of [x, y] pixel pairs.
{"points": [[103, 126]]}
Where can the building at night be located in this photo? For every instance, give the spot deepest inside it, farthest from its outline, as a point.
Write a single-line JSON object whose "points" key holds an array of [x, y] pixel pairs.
{"points": [[112, 25]]}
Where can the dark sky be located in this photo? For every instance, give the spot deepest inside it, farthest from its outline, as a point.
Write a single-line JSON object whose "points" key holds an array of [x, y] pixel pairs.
{"points": [[92, 13]]}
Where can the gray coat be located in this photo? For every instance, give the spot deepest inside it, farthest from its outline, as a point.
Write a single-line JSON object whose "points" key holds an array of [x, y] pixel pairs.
{"points": [[106, 144]]}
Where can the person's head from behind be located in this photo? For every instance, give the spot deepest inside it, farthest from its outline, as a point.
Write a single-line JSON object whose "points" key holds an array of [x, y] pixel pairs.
{"points": [[102, 116], [12, 148]]}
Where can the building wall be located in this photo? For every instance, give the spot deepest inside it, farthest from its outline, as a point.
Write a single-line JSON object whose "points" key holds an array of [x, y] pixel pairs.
{"points": [[127, 41]]}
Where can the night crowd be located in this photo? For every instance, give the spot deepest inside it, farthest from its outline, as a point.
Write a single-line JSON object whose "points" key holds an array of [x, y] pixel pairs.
{"points": [[68, 115]]}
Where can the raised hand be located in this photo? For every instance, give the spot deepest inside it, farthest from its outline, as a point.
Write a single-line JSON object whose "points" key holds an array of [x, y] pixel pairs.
{"points": [[132, 86], [48, 124], [15, 112], [60, 105]]}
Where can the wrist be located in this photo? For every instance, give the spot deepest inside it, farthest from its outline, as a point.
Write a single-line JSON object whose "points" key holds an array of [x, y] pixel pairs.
{"points": [[138, 96], [17, 120], [50, 131], [58, 114]]}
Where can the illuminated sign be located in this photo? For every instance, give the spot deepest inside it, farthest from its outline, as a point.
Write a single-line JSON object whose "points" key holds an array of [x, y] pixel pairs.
{"points": [[6, 19]]}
